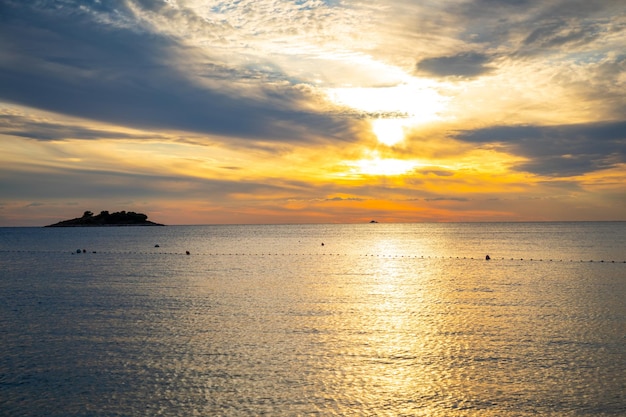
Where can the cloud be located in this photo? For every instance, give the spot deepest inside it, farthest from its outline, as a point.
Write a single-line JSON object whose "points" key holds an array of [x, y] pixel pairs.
{"points": [[106, 69], [343, 199], [519, 29], [459, 199], [470, 64], [64, 183], [565, 150], [40, 129], [557, 33]]}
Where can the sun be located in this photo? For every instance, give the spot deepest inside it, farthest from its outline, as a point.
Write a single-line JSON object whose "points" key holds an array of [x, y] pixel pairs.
{"points": [[394, 108], [389, 131]]}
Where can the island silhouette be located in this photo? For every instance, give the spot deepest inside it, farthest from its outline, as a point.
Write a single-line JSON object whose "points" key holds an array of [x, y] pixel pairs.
{"points": [[120, 218]]}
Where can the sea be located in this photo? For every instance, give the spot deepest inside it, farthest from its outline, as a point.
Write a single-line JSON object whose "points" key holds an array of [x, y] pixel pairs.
{"points": [[314, 320]]}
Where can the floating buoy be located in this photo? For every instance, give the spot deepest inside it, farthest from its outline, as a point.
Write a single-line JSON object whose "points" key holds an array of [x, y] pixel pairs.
{"points": [[487, 257], [187, 252]]}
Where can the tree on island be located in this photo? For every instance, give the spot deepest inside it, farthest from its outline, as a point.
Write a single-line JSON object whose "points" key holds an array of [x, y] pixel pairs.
{"points": [[121, 218]]}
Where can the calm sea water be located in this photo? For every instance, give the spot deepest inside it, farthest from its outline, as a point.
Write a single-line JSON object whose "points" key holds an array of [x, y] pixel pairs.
{"points": [[382, 319]]}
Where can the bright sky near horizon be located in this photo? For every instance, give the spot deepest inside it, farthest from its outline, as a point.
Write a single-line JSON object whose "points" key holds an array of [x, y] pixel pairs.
{"points": [[313, 111]]}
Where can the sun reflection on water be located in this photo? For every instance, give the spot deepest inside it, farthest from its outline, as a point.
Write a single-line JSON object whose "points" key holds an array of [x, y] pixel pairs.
{"points": [[389, 328]]}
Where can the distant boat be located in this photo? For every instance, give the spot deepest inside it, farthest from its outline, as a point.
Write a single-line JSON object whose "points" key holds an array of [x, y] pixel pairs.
{"points": [[373, 221]]}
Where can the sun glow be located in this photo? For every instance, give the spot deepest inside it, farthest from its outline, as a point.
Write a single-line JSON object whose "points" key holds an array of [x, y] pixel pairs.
{"points": [[412, 102], [389, 131], [417, 99], [379, 166]]}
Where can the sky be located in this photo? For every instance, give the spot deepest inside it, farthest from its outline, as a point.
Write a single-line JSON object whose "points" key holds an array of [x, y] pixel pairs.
{"points": [[313, 111]]}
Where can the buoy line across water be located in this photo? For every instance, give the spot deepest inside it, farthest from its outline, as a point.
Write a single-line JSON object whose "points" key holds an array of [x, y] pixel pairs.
{"points": [[85, 252]]}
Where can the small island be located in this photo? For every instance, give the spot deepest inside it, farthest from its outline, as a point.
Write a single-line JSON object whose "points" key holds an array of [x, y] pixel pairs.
{"points": [[121, 218]]}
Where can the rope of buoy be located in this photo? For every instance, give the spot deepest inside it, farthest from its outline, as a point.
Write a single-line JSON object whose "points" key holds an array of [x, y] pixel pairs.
{"points": [[385, 256]]}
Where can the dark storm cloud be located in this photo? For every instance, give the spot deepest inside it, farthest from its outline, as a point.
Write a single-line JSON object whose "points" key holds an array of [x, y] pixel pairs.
{"points": [[565, 150], [63, 59], [468, 65]]}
